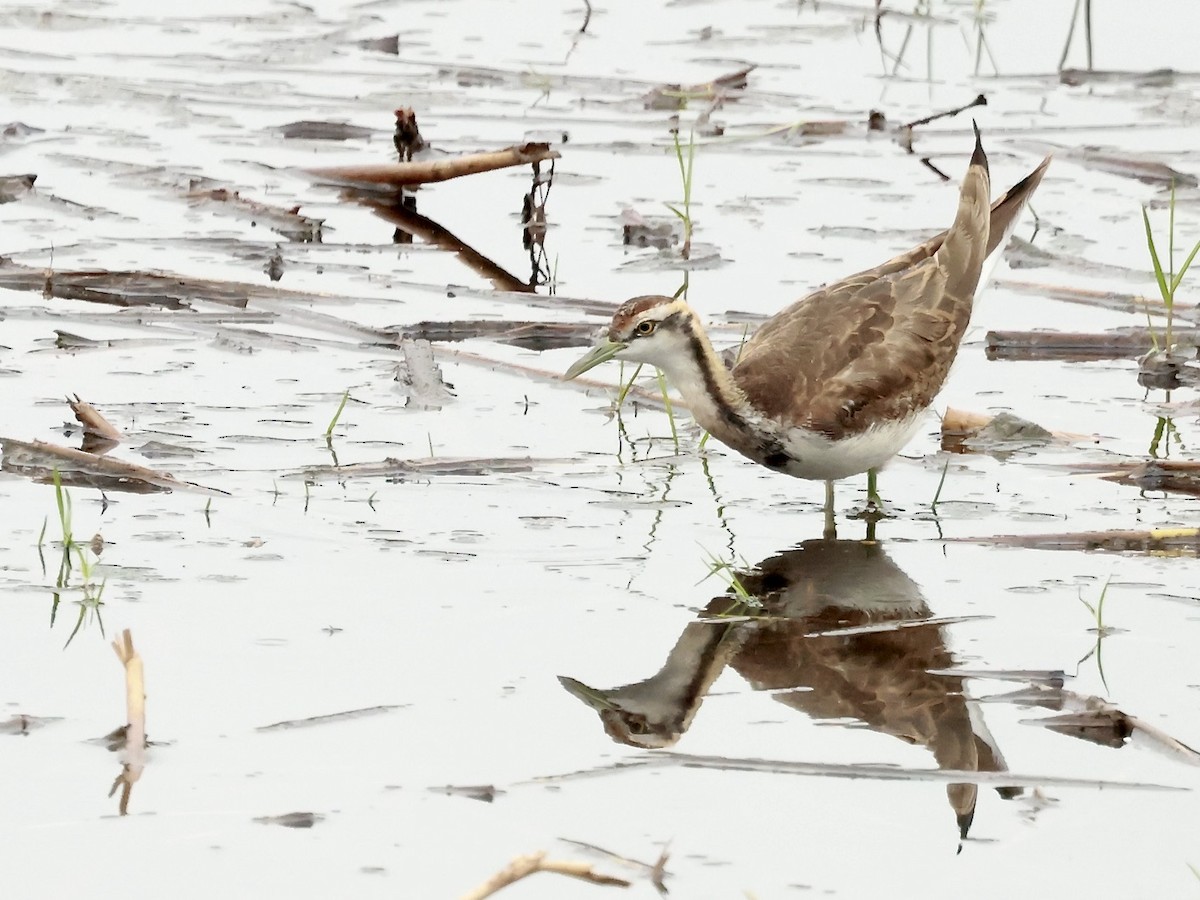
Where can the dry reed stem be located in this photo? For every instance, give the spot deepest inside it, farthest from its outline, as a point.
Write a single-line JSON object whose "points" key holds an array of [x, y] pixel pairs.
{"points": [[442, 169], [135, 717], [92, 420], [524, 866]]}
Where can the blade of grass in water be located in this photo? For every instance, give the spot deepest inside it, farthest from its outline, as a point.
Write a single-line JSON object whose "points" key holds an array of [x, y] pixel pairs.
{"points": [[337, 415]]}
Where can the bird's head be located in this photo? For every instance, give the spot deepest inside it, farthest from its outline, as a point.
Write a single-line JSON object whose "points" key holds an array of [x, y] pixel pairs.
{"points": [[627, 719], [654, 330]]}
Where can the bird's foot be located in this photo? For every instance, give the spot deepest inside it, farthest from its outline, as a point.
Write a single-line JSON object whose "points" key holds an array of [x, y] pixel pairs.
{"points": [[875, 510]]}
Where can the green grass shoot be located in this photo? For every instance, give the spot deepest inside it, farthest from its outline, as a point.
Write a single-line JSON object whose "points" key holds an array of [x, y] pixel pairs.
{"points": [[1165, 432], [1100, 630], [728, 573], [75, 554], [1170, 279], [662, 386], [937, 495], [337, 415], [62, 499], [686, 168], [1097, 609]]}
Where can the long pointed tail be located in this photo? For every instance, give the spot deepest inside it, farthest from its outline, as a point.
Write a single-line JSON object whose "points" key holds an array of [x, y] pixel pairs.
{"points": [[966, 244]]}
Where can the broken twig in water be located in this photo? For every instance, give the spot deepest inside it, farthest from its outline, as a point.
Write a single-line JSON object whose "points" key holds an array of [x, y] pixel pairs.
{"points": [[329, 717], [980, 100], [93, 422], [401, 174], [134, 761], [524, 866]]}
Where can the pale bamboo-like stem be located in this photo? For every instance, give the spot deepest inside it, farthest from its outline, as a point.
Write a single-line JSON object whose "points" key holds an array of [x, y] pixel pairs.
{"points": [[524, 866]]}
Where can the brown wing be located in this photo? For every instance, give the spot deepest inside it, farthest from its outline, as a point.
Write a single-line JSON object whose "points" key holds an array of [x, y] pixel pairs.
{"points": [[1004, 213], [854, 353], [880, 343]]}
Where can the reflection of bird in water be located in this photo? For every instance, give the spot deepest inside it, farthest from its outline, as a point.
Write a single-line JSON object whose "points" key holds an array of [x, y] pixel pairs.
{"points": [[839, 637], [836, 383]]}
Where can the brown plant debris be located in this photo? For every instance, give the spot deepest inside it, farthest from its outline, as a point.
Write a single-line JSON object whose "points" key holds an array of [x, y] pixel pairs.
{"points": [[1172, 476], [389, 44], [399, 469], [485, 793], [1094, 719], [1127, 165], [528, 335], [285, 221], [963, 431], [309, 130], [402, 174], [1119, 343], [93, 421], [14, 187], [134, 761], [39, 460], [407, 138], [291, 820], [1159, 542], [524, 866], [1152, 78], [676, 96], [328, 718], [656, 871], [22, 724], [124, 288]]}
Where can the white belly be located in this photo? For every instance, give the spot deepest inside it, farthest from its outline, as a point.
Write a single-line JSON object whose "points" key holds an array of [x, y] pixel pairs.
{"points": [[817, 457]]}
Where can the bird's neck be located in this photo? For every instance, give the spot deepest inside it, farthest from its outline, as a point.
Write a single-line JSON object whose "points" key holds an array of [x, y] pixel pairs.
{"points": [[708, 388]]}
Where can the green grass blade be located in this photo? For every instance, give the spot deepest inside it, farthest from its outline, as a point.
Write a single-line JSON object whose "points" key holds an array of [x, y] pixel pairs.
{"points": [[628, 386], [1183, 269], [337, 415], [662, 386], [1163, 287]]}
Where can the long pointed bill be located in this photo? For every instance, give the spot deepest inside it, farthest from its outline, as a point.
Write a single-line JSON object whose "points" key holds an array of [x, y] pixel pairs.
{"points": [[597, 700], [601, 353]]}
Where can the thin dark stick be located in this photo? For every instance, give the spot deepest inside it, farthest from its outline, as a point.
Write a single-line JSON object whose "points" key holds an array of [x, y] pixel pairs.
{"points": [[1087, 30], [936, 171], [1062, 60], [587, 16], [978, 101]]}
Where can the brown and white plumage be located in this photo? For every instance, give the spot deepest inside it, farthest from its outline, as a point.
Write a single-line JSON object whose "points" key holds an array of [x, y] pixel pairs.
{"points": [[834, 384]]}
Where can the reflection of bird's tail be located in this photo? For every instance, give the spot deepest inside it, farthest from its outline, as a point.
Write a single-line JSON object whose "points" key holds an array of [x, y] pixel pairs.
{"points": [[988, 751], [986, 757]]}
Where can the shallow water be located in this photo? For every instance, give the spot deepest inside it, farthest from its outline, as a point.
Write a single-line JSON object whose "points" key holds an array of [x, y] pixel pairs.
{"points": [[445, 605]]}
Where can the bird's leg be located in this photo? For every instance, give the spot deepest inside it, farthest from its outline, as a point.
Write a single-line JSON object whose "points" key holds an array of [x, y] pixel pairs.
{"points": [[830, 533], [873, 498], [875, 508]]}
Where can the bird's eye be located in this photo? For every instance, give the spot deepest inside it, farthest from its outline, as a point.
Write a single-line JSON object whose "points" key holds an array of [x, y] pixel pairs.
{"points": [[647, 327]]}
